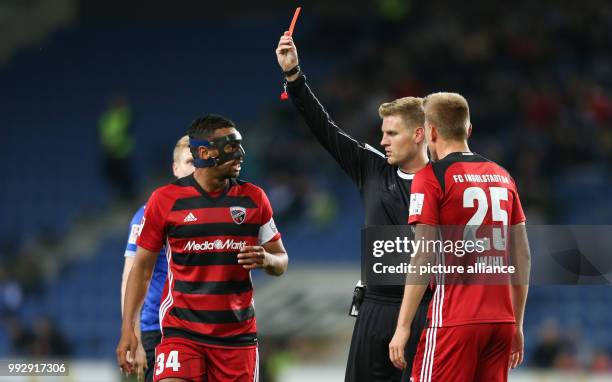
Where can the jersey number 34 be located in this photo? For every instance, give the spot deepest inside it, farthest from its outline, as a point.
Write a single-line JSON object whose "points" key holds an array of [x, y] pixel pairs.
{"points": [[171, 362]]}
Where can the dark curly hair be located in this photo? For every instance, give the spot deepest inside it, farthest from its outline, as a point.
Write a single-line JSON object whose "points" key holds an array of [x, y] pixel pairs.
{"points": [[202, 128]]}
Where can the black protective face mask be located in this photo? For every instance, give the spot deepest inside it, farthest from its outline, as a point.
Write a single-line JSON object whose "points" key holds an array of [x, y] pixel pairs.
{"points": [[228, 146]]}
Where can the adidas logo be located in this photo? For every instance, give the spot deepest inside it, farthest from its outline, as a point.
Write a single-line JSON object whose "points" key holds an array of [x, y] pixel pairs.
{"points": [[189, 218]]}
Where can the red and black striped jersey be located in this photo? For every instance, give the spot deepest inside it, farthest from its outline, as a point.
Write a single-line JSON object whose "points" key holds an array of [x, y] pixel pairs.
{"points": [[208, 296], [468, 190]]}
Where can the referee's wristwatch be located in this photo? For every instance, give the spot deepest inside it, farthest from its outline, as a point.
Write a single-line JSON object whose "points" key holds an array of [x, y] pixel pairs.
{"points": [[293, 71]]}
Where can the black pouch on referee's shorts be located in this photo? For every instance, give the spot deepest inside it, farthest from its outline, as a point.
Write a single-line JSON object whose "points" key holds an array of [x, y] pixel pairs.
{"points": [[358, 295]]}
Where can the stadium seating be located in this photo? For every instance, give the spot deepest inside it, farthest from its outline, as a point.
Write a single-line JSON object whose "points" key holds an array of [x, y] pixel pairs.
{"points": [[58, 91]]}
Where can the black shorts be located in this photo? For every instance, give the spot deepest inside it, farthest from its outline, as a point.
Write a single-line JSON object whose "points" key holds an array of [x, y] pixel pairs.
{"points": [[150, 339], [368, 359]]}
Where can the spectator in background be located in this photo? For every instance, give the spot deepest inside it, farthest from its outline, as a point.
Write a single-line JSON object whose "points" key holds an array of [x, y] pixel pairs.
{"points": [[602, 363], [11, 295], [549, 345], [116, 143], [287, 197], [21, 338], [43, 340], [48, 341], [28, 271], [566, 360], [276, 356]]}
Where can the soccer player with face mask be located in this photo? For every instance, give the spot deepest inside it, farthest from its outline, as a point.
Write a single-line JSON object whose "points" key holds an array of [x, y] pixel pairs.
{"points": [[216, 229]]}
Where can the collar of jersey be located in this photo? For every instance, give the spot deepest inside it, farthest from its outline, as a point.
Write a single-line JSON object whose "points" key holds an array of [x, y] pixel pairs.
{"points": [[404, 175], [205, 194], [459, 154]]}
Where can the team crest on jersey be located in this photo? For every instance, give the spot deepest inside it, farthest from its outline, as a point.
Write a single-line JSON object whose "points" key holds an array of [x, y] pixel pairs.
{"points": [[238, 214]]}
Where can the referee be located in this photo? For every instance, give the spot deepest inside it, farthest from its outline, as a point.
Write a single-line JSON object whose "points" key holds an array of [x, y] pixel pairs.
{"points": [[384, 184]]}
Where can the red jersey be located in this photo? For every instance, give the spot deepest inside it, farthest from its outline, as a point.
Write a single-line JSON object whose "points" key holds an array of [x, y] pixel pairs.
{"points": [[208, 296], [465, 189]]}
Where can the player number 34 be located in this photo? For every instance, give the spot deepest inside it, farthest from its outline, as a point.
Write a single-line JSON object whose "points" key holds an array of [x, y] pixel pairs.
{"points": [[171, 362]]}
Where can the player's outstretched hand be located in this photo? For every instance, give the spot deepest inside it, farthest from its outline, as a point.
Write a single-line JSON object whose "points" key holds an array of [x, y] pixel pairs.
{"points": [[251, 257], [286, 53], [397, 346], [127, 348], [518, 343]]}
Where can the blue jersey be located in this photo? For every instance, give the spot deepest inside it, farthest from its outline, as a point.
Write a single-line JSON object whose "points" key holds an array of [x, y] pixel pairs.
{"points": [[149, 317]]}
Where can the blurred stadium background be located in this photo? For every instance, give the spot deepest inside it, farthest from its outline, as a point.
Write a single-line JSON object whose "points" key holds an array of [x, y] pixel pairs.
{"points": [[537, 74]]}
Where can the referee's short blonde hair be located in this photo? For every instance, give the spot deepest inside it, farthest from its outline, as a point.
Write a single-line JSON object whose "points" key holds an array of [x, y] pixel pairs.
{"points": [[410, 109]]}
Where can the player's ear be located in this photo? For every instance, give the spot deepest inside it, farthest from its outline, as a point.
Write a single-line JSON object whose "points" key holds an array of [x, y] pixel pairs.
{"points": [[469, 130], [203, 152], [433, 135], [419, 134]]}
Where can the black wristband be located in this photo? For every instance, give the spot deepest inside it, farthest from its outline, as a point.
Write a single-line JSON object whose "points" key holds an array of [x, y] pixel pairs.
{"points": [[294, 70]]}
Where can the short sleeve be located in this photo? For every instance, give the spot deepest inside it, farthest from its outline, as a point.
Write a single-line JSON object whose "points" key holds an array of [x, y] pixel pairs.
{"points": [[267, 231], [518, 216], [153, 224], [425, 198], [130, 248]]}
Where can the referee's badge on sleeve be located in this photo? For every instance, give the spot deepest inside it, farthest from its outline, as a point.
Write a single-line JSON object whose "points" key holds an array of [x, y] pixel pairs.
{"points": [[416, 204]]}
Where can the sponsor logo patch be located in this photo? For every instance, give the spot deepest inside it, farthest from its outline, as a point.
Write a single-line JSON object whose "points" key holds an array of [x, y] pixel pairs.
{"points": [[416, 204], [141, 226], [134, 233], [228, 244]]}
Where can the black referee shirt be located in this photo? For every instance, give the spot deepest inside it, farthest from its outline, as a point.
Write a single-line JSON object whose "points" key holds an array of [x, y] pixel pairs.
{"points": [[384, 189]]}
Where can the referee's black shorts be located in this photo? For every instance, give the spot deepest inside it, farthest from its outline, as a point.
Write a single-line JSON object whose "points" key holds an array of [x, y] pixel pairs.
{"points": [[368, 359]]}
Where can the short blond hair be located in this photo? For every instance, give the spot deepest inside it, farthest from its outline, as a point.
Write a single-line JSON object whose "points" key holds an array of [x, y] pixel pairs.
{"points": [[180, 145], [410, 109], [450, 113]]}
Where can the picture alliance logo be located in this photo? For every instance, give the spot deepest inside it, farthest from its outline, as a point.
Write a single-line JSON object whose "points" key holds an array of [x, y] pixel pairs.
{"points": [[228, 244]]}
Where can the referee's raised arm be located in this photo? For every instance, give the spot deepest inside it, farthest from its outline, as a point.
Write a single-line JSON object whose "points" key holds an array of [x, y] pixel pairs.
{"points": [[384, 182], [353, 156]]}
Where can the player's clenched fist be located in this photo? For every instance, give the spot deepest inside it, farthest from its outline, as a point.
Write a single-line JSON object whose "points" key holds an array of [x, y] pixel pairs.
{"points": [[286, 53]]}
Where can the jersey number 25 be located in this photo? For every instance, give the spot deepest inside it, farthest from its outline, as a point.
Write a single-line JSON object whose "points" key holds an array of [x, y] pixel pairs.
{"points": [[478, 195]]}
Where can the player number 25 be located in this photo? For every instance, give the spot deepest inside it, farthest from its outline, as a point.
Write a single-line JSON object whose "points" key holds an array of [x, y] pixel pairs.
{"points": [[172, 362], [472, 194]]}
